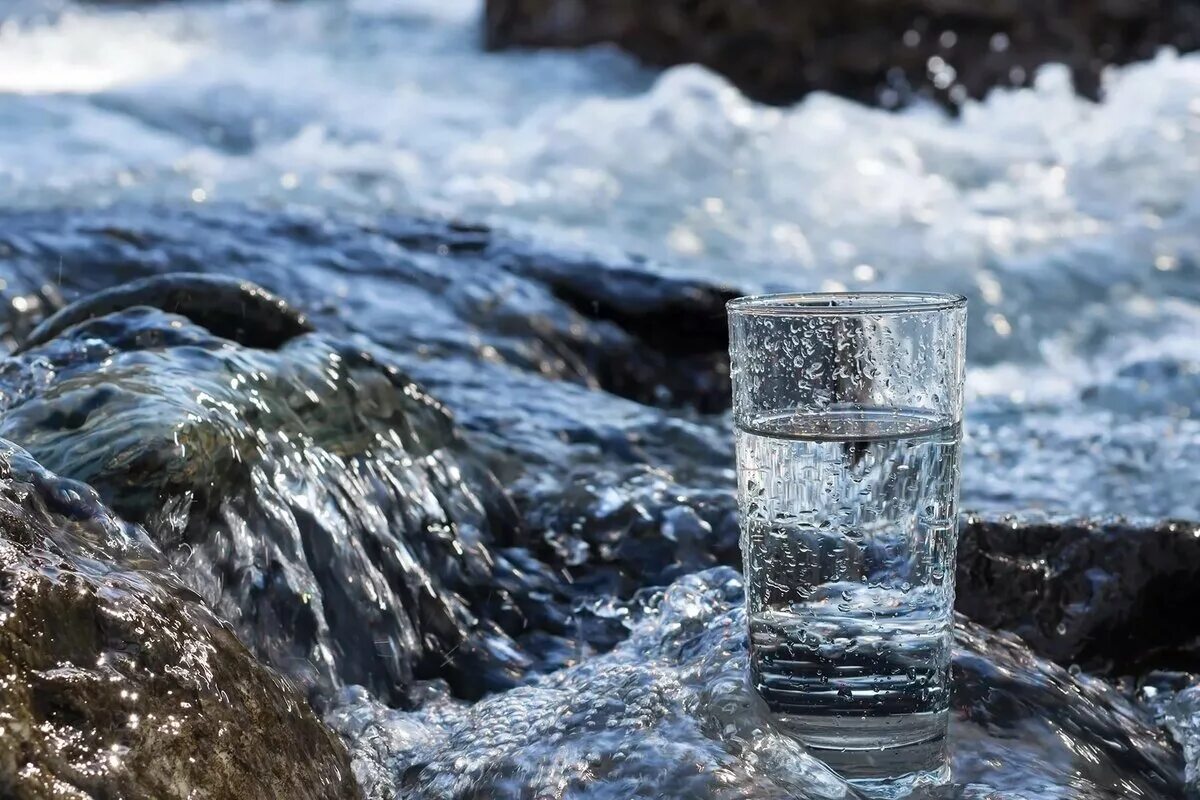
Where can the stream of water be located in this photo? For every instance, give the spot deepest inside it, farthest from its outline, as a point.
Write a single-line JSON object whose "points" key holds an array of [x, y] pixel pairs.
{"points": [[1073, 227]]}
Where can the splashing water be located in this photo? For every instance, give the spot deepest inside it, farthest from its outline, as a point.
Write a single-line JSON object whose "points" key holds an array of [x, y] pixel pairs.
{"points": [[312, 496], [669, 713], [1183, 720], [1032, 200]]}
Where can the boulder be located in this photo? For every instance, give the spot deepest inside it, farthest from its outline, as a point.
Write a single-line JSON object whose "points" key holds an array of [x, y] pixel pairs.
{"points": [[202, 406], [321, 502], [584, 384], [870, 50], [119, 682], [1103, 594]]}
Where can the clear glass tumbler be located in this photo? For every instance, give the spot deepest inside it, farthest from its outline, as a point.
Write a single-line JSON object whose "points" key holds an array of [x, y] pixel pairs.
{"points": [[848, 410]]}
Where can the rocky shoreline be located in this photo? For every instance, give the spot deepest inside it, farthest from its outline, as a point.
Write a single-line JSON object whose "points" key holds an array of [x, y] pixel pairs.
{"points": [[432, 464]]}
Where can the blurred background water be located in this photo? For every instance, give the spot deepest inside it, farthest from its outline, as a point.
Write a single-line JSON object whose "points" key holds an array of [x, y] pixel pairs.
{"points": [[1071, 225]]}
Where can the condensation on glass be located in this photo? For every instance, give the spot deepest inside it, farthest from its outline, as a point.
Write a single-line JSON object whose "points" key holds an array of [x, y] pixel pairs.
{"points": [[848, 409]]}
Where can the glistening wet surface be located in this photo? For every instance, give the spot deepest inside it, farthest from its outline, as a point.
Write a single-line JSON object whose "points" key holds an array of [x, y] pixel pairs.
{"points": [[546, 526], [598, 496]]}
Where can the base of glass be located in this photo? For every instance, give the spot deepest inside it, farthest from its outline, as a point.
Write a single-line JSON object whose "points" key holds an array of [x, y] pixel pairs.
{"points": [[883, 757], [850, 732]]}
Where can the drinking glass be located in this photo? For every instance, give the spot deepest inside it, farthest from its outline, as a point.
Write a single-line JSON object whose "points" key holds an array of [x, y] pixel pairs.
{"points": [[848, 410]]}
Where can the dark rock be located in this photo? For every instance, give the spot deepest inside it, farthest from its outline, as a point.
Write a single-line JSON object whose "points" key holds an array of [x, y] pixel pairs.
{"points": [[507, 334], [431, 291], [228, 308], [1105, 595], [870, 50], [543, 358], [682, 320], [118, 681]]}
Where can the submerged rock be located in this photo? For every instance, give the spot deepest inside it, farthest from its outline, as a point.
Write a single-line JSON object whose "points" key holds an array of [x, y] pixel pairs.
{"points": [[669, 713], [118, 681], [226, 307], [578, 381], [435, 293], [779, 50]]}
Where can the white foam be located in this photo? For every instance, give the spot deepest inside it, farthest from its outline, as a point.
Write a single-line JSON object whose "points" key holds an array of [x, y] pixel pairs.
{"points": [[85, 53], [1072, 226]]}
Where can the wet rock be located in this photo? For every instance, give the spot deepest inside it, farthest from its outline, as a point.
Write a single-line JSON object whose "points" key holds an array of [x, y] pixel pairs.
{"points": [[431, 291], [669, 713], [554, 367], [681, 320], [317, 499], [578, 381], [1104, 594], [497, 329], [568, 380], [779, 50], [228, 308], [118, 681]]}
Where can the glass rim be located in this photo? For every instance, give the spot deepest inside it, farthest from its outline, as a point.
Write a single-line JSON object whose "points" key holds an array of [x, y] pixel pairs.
{"points": [[844, 304]]}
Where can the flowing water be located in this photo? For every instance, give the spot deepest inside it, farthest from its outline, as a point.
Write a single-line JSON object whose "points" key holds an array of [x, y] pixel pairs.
{"points": [[275, 142], [1024, 204]]}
